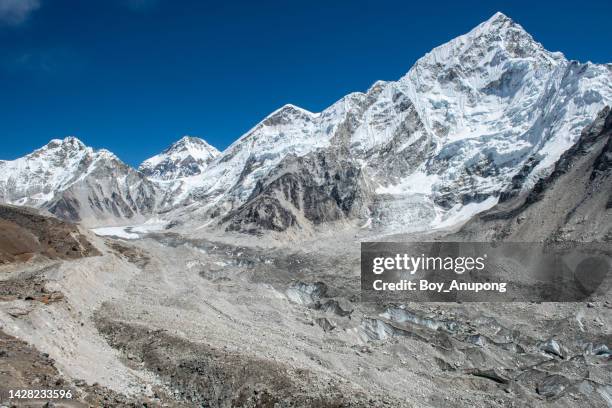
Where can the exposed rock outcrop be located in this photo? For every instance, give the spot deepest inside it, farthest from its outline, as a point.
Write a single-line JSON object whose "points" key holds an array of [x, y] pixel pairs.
{"points": [[574, 203], [321, 187]]}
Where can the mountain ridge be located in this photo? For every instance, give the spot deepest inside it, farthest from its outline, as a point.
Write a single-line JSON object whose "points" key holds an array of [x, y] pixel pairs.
{"points": [[487, 110], [472, 123]]}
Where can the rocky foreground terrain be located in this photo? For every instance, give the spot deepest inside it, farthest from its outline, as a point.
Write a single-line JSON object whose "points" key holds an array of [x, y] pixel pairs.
{"points": [[26, 234], [166, 320], [232, 279]]}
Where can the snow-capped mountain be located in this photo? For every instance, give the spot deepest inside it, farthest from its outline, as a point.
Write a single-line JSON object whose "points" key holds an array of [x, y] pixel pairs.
{"points": [[34, 179], [483, 116], [187, 157], [77, 183], [288, 130], [441, 143]]}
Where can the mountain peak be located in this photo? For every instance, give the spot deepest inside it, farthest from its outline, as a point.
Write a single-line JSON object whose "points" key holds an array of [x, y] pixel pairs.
{"points": [[499, 18], [67, 142], [190, 142], [186, 157], [286, 114], [292, 107], [72, 140], [491, 43], [502, 32], [498, 23], [189, 139]]}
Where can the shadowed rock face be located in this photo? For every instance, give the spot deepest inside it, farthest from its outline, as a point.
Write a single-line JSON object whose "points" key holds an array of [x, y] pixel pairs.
{"points": [[24, 234], [573, 203], [320, 187], [111, 191]]}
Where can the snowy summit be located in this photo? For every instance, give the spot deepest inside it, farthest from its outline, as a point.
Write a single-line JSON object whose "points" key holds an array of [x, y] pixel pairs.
{"points": [[187, 157]]}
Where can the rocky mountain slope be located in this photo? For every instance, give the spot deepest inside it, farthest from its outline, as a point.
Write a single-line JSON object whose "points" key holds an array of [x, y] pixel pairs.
{"points": [[25, 234], [76, 183], [320, 187], [187, 157], [574, 203]]}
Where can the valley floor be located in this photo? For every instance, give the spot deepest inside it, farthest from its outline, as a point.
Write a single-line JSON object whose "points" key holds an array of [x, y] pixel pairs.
{"points": [[166, 320]]}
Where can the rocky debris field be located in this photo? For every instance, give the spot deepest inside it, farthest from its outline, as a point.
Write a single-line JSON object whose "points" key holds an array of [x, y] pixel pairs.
{"points": [[168, 320], [200, 375], [23, 367]]}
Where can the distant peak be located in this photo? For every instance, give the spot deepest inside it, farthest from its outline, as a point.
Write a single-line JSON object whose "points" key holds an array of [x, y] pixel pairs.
{"points": [[190, 139], [186, 142], [105, 153], [377, 86], [287, 109], [291, 106], [186, 157]]}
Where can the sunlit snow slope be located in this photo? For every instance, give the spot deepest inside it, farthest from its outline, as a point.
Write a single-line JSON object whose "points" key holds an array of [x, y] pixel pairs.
{"points": [[442, 142]]}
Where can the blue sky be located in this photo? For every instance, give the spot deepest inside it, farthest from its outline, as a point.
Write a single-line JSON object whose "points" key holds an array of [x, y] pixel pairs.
{"points": [[133, 76]]}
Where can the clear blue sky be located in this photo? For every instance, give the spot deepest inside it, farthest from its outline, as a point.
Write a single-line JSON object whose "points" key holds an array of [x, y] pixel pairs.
{"points": [[132, 76]]}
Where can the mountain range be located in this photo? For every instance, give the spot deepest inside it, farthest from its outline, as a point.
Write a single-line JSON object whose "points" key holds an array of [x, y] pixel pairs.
{"points": [[475, 123]]}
